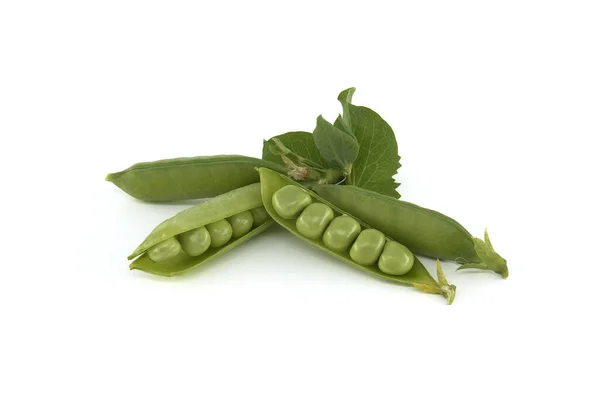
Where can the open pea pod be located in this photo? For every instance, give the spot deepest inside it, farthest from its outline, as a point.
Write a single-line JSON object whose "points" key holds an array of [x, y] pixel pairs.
{"points": [[418, 276], [202, 232]]}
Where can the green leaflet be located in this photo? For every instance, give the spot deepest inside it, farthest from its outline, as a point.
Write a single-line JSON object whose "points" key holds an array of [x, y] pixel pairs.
{"points": [[337, 147], [378, 159], [359, 149], [298, 151], [343, 120], [300, 143]]}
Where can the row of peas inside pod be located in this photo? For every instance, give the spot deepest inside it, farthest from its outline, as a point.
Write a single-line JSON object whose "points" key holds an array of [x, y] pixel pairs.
{"points": [[197, 234], [195, 242], [342, 234]]}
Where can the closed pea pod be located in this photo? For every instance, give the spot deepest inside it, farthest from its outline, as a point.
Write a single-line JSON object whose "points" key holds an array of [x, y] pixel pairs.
{"points": [[189, 178], [337, 243], [202, 232], [422, 230]]}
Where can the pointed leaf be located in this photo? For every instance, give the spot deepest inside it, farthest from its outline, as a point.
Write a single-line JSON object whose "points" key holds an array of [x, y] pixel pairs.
{"points": [[300, 143], [378, 159], [345, 98], [338, 148]]}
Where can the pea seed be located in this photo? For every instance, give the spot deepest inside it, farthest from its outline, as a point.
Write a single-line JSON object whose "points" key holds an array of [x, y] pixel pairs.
{"points": [[290, 201], [314, 220], [220, 232], [164, 250], [341, 233], [396, 259], [260, 215], [241, 223], [367, 247], [195, 242]]}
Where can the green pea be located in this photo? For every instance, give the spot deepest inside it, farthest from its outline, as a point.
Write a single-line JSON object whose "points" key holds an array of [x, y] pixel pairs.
{"points": [[195, 242], [260, 215], [341, 233], [314, 220], [290, 201], [220, 232], [367, 247], [241, 223], [164, 250], [396, 259]]}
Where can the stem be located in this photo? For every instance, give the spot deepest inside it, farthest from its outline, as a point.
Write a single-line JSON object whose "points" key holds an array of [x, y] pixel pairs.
{"points": [[441, 287], [490, 260]]}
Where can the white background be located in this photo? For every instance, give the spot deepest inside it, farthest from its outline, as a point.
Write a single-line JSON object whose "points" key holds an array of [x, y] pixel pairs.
{"points": [[494, 105]]}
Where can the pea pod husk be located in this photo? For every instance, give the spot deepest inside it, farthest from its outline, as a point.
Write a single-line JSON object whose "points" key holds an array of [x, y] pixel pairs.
{"points": [[423, 231], [418, 276], [189, 178]]}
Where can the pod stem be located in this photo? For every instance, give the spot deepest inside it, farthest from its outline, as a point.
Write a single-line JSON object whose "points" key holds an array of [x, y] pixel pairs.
{"points": [[442, 286], [490, 260]]}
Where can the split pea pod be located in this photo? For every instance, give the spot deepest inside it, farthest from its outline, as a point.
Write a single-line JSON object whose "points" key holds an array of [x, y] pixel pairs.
{"points": [[198, 234], [344, 236], [189, 178], [424, 231]]}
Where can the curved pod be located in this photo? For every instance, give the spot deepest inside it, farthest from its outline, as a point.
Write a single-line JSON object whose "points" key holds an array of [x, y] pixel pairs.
{"points": [[418, 276]]}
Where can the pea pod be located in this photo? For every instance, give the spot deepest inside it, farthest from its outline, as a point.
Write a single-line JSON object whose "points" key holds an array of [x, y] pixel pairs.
{"points": [[276, 203], [189, 178], [424, 231], [202, 232]]}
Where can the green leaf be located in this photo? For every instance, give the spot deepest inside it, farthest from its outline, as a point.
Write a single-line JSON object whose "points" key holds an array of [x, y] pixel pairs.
{"points": [[340, 124], [300, 143], [298, 153], [378, 159], [337, 147], [345, 98]]}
